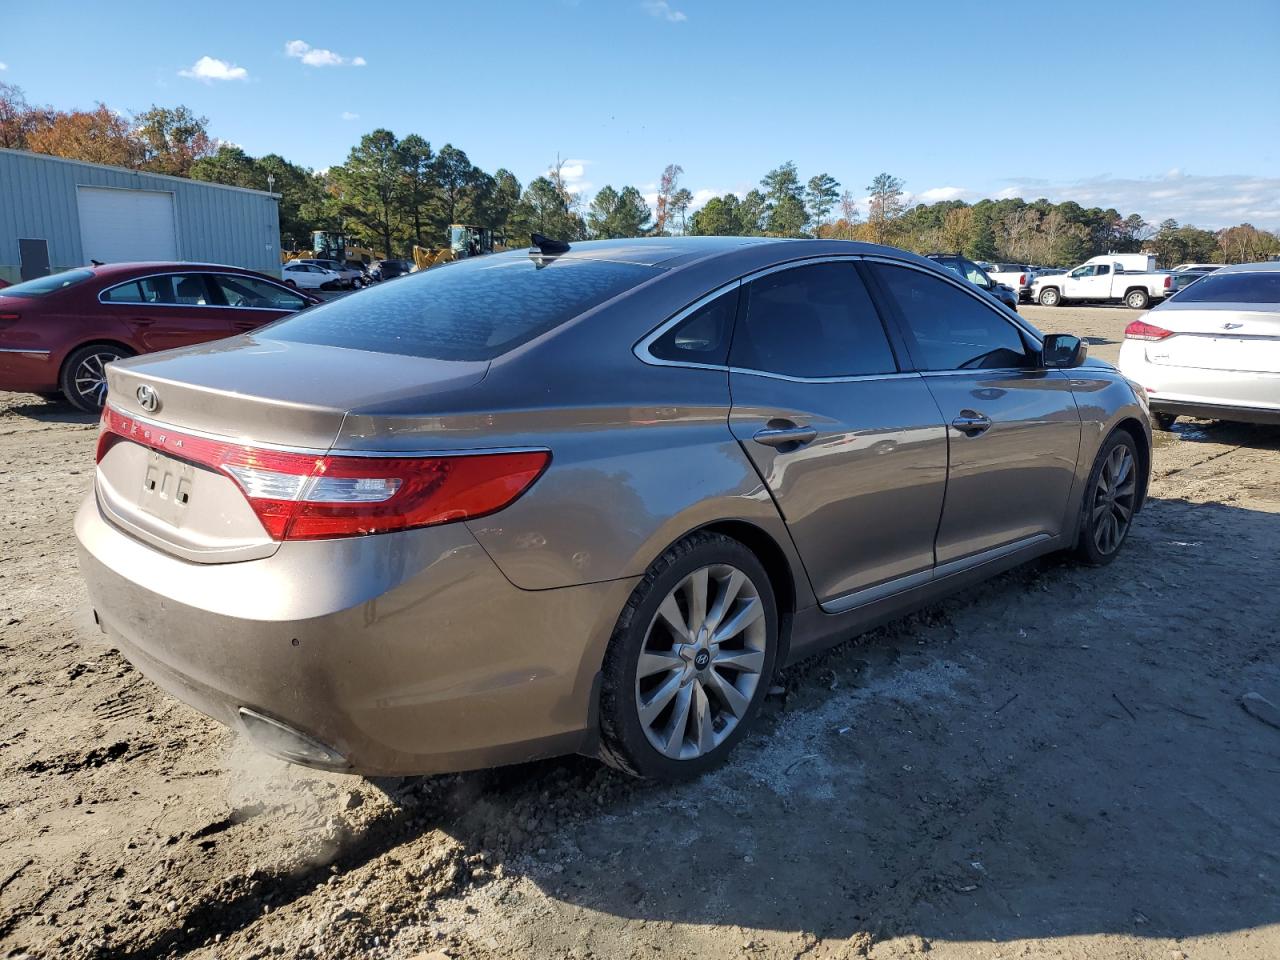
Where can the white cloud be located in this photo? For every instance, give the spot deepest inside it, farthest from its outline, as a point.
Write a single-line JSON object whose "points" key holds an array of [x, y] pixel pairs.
{"points": [[209, 69], [348, 115], [574, 173], [938, 194], [3, 66], [664, 11], [318, 56], [1205, 201]]}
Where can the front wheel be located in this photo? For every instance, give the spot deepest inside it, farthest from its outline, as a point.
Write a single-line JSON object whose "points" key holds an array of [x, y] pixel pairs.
{"points": [[1137, 299], [1110, 501], [690, 660], [1050, 297], [84, 375]]}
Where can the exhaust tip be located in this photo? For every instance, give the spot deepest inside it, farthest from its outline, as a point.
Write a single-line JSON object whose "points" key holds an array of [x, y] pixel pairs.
{"points": [[283, 741]]}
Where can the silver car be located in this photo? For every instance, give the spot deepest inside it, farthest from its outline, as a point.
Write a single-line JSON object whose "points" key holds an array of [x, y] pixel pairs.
{"points": [[584, 498]]}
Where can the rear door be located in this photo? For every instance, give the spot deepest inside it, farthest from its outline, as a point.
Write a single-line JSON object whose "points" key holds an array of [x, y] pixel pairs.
{"points": [[852, 448], [251, 302], [169, 310], [1014, 429]]}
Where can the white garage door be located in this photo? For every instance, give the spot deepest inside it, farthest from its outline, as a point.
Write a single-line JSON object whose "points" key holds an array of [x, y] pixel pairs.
{"points": [[120, 225]]}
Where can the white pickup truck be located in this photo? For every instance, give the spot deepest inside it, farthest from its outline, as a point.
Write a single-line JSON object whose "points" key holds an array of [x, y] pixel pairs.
{"points": [[1106, 282]]}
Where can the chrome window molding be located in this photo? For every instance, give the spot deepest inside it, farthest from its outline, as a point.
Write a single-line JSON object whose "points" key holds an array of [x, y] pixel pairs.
{"points": [[321, 451], [229, 272], [41, 353]]}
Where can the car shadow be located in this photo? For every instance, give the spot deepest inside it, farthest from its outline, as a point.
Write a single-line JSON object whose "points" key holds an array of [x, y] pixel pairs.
{"points": [[44, 410], [1226, 432]]}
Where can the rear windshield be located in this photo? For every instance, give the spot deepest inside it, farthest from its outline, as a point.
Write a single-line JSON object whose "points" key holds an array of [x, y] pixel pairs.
{"points": [[50, 284], [471, 310], [1233, 288]]}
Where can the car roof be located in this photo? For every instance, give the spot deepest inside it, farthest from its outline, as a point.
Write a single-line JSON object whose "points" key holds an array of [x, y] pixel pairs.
{"points": [[1267, 266]]}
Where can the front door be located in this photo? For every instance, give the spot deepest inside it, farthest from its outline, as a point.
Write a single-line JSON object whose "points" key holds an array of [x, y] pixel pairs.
{"points": [[1014, 429], [1090, 282], [169, 310], [852, 448]]}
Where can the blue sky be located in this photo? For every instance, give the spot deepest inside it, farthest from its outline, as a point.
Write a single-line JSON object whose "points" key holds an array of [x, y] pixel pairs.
{"points": [[1169, 109]]}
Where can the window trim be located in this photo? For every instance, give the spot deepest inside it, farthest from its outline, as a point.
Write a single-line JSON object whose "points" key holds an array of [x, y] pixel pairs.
{"points": [[210, 290], [1011, 317], [885, 308]]}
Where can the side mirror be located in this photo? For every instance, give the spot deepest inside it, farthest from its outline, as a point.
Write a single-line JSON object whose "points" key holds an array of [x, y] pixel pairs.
{"points": [[1062, 351]]}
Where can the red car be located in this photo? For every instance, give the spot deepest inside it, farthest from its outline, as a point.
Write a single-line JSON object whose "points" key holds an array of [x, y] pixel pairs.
{"points": [[57, 333]]}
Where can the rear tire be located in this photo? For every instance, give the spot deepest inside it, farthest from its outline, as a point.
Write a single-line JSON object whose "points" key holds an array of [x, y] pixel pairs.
{"points": [[1137, 300], [84, 379], [291, 283], [1110, 501], [1164, 421], [1050, 297], [690, 660]]}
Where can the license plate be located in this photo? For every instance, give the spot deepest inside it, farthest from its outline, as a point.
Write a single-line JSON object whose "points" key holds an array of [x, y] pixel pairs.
{"points": [[166, 488]]}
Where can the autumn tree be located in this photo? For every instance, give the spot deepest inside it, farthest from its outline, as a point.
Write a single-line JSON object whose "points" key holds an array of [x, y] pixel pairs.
{"points": [[884, 205], [98, 136], [820, 195], [172, 139], [668, 184]]}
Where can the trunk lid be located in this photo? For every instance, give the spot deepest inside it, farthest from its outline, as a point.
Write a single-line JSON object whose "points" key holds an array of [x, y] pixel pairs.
{"points": [[248, 391], [1242, 340]]}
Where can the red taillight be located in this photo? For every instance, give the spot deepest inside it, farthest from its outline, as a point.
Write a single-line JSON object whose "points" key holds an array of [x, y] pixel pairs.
{"points": [[1138, 330], [1022, 279], [10, 317], [1168, 281], [313, 497]]}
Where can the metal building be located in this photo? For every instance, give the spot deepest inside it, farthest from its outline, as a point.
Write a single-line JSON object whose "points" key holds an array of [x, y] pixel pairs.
{"points": [[57, 213]]}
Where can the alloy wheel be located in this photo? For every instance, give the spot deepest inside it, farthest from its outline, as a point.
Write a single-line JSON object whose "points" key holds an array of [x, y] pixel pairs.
{"points": [[701, 662], [90, 377], [1114, 497]]}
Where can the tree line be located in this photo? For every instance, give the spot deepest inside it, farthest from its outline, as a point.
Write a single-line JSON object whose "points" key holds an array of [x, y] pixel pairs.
{"points": [[396, 192]]}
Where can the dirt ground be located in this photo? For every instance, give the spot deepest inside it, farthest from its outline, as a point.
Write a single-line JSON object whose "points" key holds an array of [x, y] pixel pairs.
{"points": [[1057, 764]]}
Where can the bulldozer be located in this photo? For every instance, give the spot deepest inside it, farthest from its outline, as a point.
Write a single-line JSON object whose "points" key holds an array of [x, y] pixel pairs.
{"points": [[465, 240]]}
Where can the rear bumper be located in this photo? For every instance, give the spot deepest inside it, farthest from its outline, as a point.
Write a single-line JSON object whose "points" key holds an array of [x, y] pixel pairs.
{"points": [[1215, 411], [403, 653]]}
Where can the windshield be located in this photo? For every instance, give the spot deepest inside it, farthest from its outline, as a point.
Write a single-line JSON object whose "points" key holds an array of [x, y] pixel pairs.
{"points": [[50, 284], [470, 310], [1234, 288]]}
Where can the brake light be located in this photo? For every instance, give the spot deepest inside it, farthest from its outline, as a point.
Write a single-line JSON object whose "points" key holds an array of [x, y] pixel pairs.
{"points": [[301, 496], [1139, 330], [1022, 279], [1168, 281], [10, 317]]}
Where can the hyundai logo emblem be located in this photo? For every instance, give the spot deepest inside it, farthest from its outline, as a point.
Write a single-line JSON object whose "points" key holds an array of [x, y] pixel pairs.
{"points": [[702, 659], [148, 399]]}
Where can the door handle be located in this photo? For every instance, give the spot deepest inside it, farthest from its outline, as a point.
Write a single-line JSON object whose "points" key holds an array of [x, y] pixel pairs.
{"points": [[142, 321], [793, 436], [971, 423]]}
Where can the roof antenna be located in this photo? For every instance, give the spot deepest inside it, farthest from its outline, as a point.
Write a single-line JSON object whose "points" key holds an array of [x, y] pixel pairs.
{"points": [[548, 247], [96, 263]]}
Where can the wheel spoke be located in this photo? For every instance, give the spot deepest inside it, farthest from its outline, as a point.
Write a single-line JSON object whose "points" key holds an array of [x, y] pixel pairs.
{"points": [[704, 727], [1121, 511], [650, 709], [748, 661], [670, 612], [674, 738], [732, 698], [695, 595], [652, 662], [729, 589], [747, 614]]}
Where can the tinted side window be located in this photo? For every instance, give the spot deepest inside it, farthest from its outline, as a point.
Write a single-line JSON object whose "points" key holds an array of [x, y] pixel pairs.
{"points": [[1235, 288], [125, 293], [240, 291], [703, 336], [952, 330], [812, 321], [186, 290]]}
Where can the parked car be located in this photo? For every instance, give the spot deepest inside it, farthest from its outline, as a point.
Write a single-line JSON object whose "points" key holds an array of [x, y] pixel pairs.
{"points": [[966, 268], [352, 277], [1197, 267], [390, 269], [513, 507], [4, 283], [58, 333], [308, 276], [1016, 276], [1213, 350], [1104, 283]]}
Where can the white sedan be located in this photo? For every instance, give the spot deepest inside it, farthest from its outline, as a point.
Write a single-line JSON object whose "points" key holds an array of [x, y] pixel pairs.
{"points": [[1212, 350], [308, 276]]}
